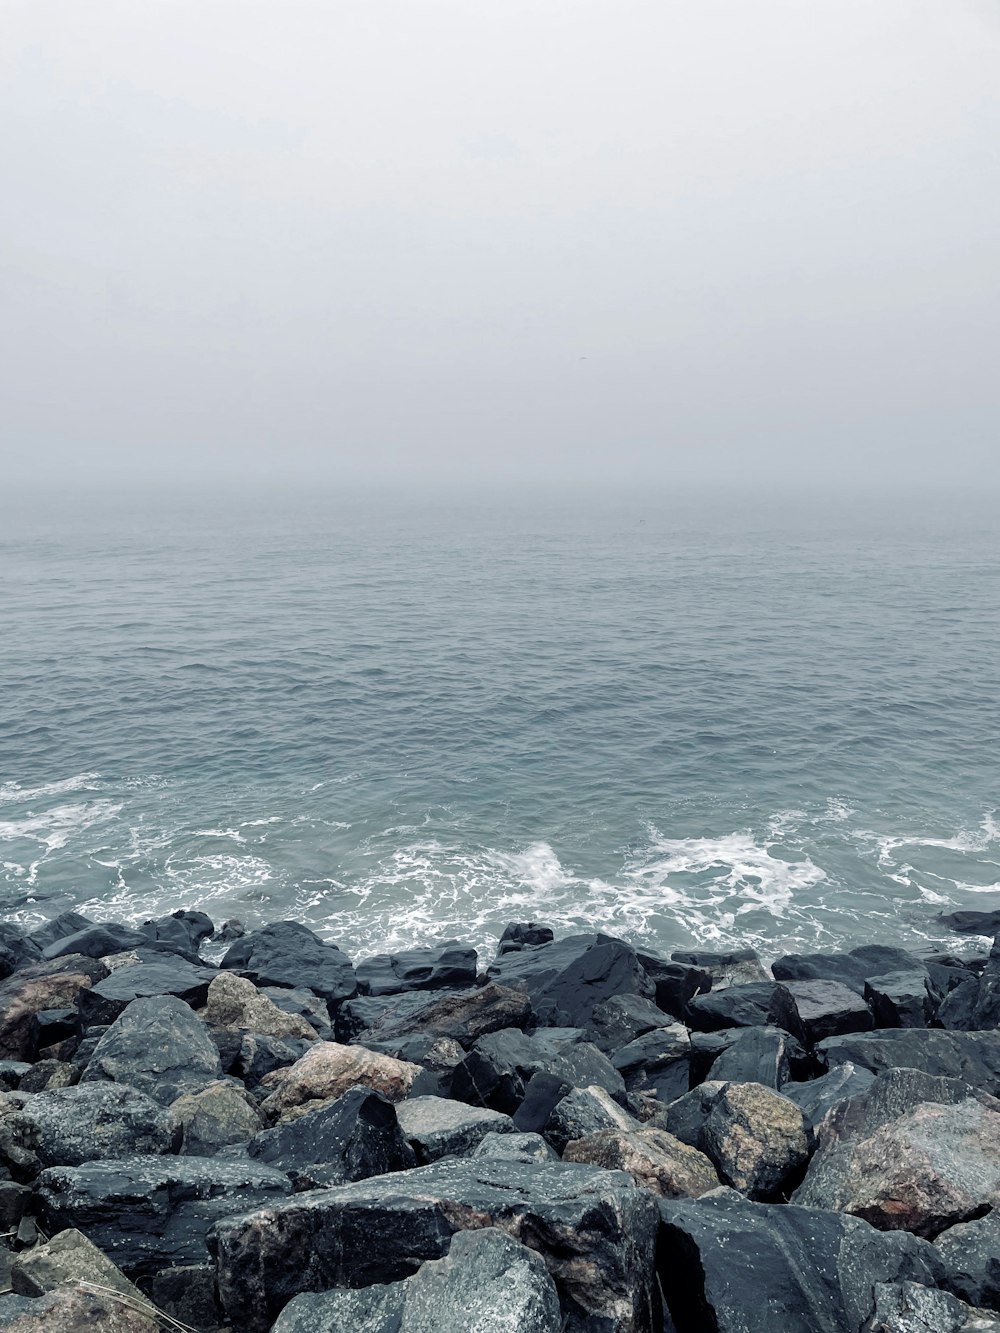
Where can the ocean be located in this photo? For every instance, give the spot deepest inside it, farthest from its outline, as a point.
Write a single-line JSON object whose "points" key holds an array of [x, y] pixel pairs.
{"points": [[768, 722]]}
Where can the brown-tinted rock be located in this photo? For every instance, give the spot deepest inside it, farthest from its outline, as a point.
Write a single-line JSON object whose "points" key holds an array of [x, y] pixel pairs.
{"points": [[328, 1070], [215, 1117], [756, 1138], [652, 1157], [464, 1016], [73, 1310], [234, 1002], [41, 986]]}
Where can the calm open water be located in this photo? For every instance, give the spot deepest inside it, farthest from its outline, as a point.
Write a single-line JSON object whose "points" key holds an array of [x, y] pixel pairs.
{"points": [[682, 721]]}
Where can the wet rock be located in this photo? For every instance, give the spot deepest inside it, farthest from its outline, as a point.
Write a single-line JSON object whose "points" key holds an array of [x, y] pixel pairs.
{"points": [[47, 1075], [352, 1138], [103, 1002], [585, 1111], [756, 1139], [231, 929], [72, 1309], [739, 968], [582, 1065], [186, 1293], [908, 1307], [828, 1008], [675, 983], [306, 1004], [514, 1148], [66, 923], [755, 1055], [853, 969], [972, 923], [214, 1117], [654, 1159], [986, 1013], [957, 1011], [488, 1282], [465, 1016], [450, 965], [258, 1055], [622, 1019], [234, 1002], [495, 1070], [287, 954], [594, 1228], [36, 987], [755, 1004], [915, 1152], [902, 999], [16, 949], [970, 1253], [973, 1057], [148, 1212], [733, 1266], [157, 1045], [327, 1070], [436, 1127], [522, 935], [685, 1118], [658, 1062], [67, 1257], [197, 927], [94, 941], [567, 979], [73, 1125], [819, 1095]]}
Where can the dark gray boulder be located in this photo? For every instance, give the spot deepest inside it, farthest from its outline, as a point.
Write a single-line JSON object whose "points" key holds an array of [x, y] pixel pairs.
{"points": [[582, 1065], [182, 933], [514, 1148], [11, 1073], [287, 954], [488, 1282], [970, 1253], [911, 1307], [819, 1095], [753, 1055], [828, 1008], [523, 935], [622, 1019], [465, 1016], [68, 1126], [157, 1045], [567, 979], [66, 923], [450, 965], [16, 949], [853, 969], [675, 983], [727, 1265], [685, 1118], [972, 922], [258, 1055], [495, 1070], [595, 1230], [352, 1138], [986, 1013], [585, 1111], [658, 1062], [437, 1127], [756, 1139], [973, 1057], [102, 1003], [957, 1011], [753, 1004], [902, 999], [95, 941], [148, 1212], [736, 968]]}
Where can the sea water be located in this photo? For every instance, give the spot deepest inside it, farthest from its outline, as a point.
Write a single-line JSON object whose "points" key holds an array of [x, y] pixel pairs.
{"points": [[768, 722]]}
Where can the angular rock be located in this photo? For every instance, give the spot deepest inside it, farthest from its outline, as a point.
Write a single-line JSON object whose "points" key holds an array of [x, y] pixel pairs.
{"points": [[567, 979], [522, 935], [972, 923], [908, 1307], [853, 969], [514, 1148], [327, 1070], [148, 1212], [754, 1004], [755, 1055], [287, 954], [489, 1283], [16, 949], [622, 1019], [658, 1062], [756, 1139], [819, 1095], [973, 1057], [94, 941], [915, 1152], [157, 1045], [103, 1002], [67, 923], [495, 1070], [11, 1073], [436, 1127], [465, 1016], [234, 1002], [733, 1266], [676, 983], [258, 1055], [216, 1116], [48, 1075], [902, 999], [439, 967], [685, 1118], [34, 988], [352, 1138], [585, 1111], [67, 1257], [582, 1065], [653, 1158], [829, 1008], [740, 968], [72, 1309], [594, 1229], [970, 1252], [957, 1011], [186, 1292], [306, 1004], [82, 1124]]}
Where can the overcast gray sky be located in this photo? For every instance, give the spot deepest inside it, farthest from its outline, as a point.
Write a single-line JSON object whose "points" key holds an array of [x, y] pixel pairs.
{"points": [[480, 239]]}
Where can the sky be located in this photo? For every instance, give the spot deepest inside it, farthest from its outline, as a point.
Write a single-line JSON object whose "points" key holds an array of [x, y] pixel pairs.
{"points": [[490, 242]]}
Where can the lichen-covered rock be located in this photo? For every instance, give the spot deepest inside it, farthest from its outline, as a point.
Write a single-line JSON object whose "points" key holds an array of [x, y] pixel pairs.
{"points": [[488, 1283], [234, 1002], [73, 1309], [514, 1148], [970, 1252], [652, 1157], [157, 1045], [756, 1138], [327, 1070], [438, 1127], [908, 1307], [67, 1257], [214, 1117]]}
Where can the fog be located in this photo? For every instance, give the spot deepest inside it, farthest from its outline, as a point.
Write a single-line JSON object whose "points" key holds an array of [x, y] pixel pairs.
{"points": [[454, 242]]}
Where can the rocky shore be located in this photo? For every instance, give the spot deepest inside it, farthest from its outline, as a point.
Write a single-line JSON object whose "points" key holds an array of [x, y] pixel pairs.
{"points": [[572, 1136]]}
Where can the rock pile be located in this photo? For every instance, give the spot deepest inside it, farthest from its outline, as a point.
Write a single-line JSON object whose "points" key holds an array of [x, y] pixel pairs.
{"points": [[578, 1137]]}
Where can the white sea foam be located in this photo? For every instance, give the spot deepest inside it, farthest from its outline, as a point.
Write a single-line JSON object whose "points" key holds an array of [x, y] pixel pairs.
{"points": [[54, 828], [14, 792]]}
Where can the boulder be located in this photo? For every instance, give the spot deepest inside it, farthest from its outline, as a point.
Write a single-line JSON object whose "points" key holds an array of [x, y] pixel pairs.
{"points": [[753, 1004], [909, 1307], [957, 1011], [11, 1073], [306, 1004], [582, 1065], [819, 1095], [234, 1002], [658, 1062], [102, 1003], [157, 1045], [622, 1019], [72, 1309], [186, 1292], [972, 922], [287, 954], [685, 1118], [327, 1070], [973, 1057], [653, 1158], [514, 1148], [739, 967], [585, 1111], [69, 1126], [970, 1253], [594, 1228], [986, 1012], [914, 1153], [34, 988], [437, 1127], [495, 1070], [67, 1257], [753, 1055], [465, 1016], [853, 969], [95, 941], [732, 1266], [567, 979], [756, 1139], [47, 1075], [522, 935], [148, 1212], [356, 1136], [256, 1055], [216, 1116], [16, 949], [489, 1283], [676, 983], [439, 967], [66, 923], [902, 999], [828, 1008]]}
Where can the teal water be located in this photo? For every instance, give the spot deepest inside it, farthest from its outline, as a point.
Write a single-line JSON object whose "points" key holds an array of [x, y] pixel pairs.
{"points": [[685, 722]]}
